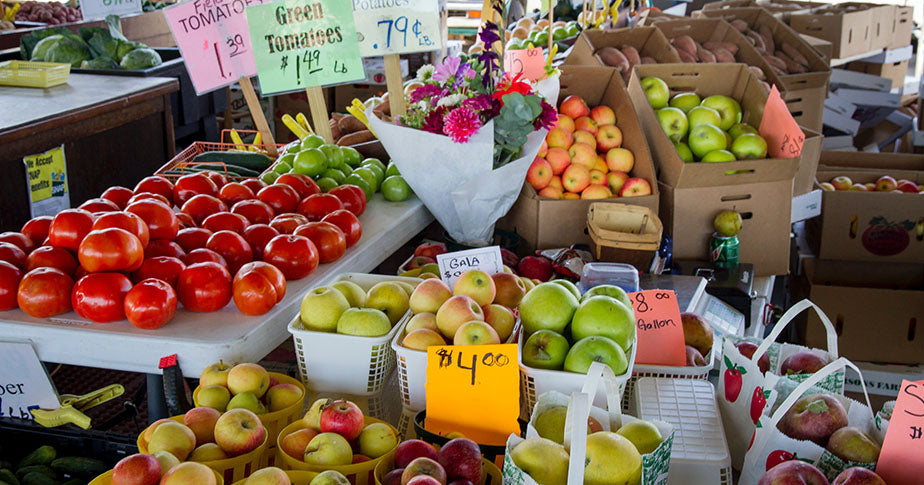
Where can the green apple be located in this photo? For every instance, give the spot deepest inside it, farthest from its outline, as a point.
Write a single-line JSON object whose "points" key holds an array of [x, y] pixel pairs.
{"points": [[674, 123], [392, 170], [363, 322], [559, 33], [390, 298], [355, 294], [547, 306], [288, 158], [328, 449], [282, 167], [545, 349], [727, 223], [702, 115], [569, 286], [311, 162], [739, 129], [749, 147], [214, 396], [656, 91], [376, 440], [729, 110], [612, 291], [350, 155], [248, 401], [326, 183], [643, 434], [706, 138], [395, 189], [513, 44], [544, 460], [329, 477], [719, 156], [321, 308], [683, 150], [333, 152], [596, 349], [685, 101], [312, 141], [606, 317]]}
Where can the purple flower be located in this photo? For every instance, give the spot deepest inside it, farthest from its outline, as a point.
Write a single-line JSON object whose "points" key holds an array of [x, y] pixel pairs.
{"points": [[460, 124], [547, 117], [489, 34], [433, 122], [426, 91], [447, 70], [484, 104]]}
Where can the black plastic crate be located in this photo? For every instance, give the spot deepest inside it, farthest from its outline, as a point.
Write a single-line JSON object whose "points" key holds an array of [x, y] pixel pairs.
{"points": [[19, 438]]}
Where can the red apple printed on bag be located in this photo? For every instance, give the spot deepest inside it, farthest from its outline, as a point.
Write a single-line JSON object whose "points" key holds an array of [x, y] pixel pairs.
{"points": [[779, 456], [886, 238], [758, 401], [733, 380]]}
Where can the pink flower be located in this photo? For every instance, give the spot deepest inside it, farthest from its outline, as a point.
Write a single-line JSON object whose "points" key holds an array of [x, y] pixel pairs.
{"points": [[460, 124]]}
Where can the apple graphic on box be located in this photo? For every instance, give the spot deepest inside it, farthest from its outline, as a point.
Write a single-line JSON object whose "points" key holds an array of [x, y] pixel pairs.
{"points": [[173, 437], [706, 138], [596, 191], [544, 460], [702, 115], [476, 332], [342, 417], [739, 129], [635, 187], [500, 318], [813, 418], [547, 306], [795, 472], [476, 284], [216, 374], [376, 440], [214, 396], [886, 184], [852, 444], [803, 362], [749, 147], [729, 110], [461, 458], [565, 122], [509, 289], [355, 294], [428, 296], [268, 476], [239, 431], [684, 152], [424, 466], [166, 460], [328, 449], [539, 174], [596, 349], [422, 320], [312, 418], [841, 182], [201, 421], [390, 298], [559, 138], [603, 115], [620, 160], [585, 137], [574, 107], [559, 159], [583, 154], [248, 401], [615, 181], [611, 458], [611, 291], [294, 444], [208, 452], [608, 137], [643, 434], [545, 349], [607, 317], [321, 308], [137, 469], [747, 349], [657, 92], [575, 178], [457, 310], [281, 396], [673, 122], [858, 475], [408, 450], [685, 101], [189, 473]]}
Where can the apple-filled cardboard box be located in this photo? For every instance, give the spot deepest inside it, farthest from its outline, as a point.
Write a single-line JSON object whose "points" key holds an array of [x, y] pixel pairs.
{"points": [[874, 226], [649, 42], [765, 207], [545, 223], [832, 159], [875, 307], [733, 80]]}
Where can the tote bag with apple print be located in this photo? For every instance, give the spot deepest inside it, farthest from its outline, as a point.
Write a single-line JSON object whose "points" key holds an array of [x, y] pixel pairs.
{"points": [[744, 391], [771, 447], [655, 465]]}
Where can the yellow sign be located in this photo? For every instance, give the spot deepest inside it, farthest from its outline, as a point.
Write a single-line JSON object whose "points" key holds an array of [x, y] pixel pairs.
{"points": [[47, 174], [474, 390]]}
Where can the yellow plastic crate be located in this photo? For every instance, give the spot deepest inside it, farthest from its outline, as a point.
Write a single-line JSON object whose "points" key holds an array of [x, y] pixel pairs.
{"points": [[29, 74]]}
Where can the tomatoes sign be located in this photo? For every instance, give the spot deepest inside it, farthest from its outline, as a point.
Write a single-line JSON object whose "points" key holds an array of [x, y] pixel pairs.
{"points": [[24, 385]]}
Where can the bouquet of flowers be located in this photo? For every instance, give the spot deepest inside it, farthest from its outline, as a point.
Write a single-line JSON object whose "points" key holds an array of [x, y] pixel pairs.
{"points": [[467, 139]]}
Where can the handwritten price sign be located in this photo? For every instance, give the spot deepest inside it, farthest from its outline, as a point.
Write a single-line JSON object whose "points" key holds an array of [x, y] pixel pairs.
{"points": [[452, 265], [300, 45], [777, 126], [529, 62], [408, 26], [659, 328], [474, 390], [901, 460], [98, 9]]}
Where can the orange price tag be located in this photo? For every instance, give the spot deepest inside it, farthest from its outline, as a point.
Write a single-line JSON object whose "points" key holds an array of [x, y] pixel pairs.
{"points": [[529, 62], [902, 457], [783, 135], [658, 328], [474, 390]]}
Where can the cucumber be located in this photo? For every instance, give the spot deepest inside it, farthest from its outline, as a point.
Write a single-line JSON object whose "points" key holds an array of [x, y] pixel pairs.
{"points": [[78, 466], [5, 464], [37, 478], [75, 481], [7, 476], [43, 469], [251, 160], [243, 171], [42, 455]]}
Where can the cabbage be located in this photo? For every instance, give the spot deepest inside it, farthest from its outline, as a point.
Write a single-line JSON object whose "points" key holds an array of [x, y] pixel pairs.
{"points": [[125, 46], [99, 63], [142, 58], [71, 50], [41, 49]]}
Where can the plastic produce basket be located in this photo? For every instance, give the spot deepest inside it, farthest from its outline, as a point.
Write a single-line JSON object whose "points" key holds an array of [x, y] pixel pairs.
{"points": [[358, 473], [700, 452], [297, 477], [490, 474], [28, 74], [183, 161], [488, 452], [332, 363], [381, 405], [106, 479], [231, 469], [663, 371]]}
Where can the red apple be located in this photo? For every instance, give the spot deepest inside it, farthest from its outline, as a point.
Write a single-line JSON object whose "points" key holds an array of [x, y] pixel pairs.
{"points": [[393, 477], [201, 421], [409, 450], [886, 184], [138, 469], [539, 174], [294, 444], [841, 183], [510, 259], [803, 363], [608, 137], [747, 350], [603, 115], [814, 418], [239, 431], [858, 476], [538, 267], [430, 250], [461, 458], [907, 186], [793, 472], [426, 467], [342, 417], [574, 107]]}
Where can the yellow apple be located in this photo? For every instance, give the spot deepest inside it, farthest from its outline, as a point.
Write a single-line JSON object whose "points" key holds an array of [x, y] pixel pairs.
{"points": [[422, 338], [544, 460], [173, 437], [214, 396], [501, 319], [329, 477], [216, 374], [239, 431], [643, 434], [329, 449], [355, 295], [282, 396], [149, 431], [475, 332], [321, 308], [248, 378], [208, 452], [201, 421], [166, 459], [268, 476], [421, 320], [476, 284], [377, 439], [189, 473], [390, 298]]}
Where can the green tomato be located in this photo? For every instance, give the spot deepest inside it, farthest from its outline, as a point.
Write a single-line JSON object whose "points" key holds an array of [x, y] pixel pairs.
{"points": [[312, 141], [391, 170], [395, 189], [369, 176], [282, 167], [311, 162], [379, 173], [326, 183], [350, 156], [573, 30], [269, 177], [373, 161], [287, 158], [334, 155], [359, 181], [560, 33], [333, 173], [514, 44]]}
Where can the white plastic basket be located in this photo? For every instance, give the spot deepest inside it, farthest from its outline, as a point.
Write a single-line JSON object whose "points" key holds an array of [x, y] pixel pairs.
{"points": [[665, 372], [405, 424], [535, 382], [335, 363], [700, 453], [381, 405]]}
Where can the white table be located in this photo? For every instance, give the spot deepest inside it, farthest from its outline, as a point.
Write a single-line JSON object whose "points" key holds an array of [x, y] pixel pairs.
{"points": [[200, 339]]}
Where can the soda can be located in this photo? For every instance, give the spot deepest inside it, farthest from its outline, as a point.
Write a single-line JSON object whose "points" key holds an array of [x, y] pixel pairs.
{"points": [[723, 251]]}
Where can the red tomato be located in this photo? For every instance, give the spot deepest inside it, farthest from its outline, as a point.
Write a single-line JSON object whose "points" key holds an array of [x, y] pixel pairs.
{"points": [[191, 185], [44, 292], [185, 220], [119, 195], [124, 220], [110, 249], [204, 287], [163, 247], [164, 268], [203, 255], [99, 205], [80, 272], [9, 282], [12, 254], [270, 272], [150, 304], [254, 184], [258, 235], [257, 212], [231, 246], [316, 206], [282, 198], [217, 177], [303, 184], [161, 220], [348, 223], [253, 294], [36, 229], [201, 206], [100, 296], [19, 240], [353, 198], [69, 227], [156, 184], [235, 192], [226, 221], [327, 238], [192, 238], [151, 196], [51, 257], [294, 255], [286, 223]]}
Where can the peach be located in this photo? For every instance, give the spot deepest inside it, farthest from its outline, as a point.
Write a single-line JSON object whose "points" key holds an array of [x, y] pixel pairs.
{"points": [[620, 160], [608, 137], [576, 178], [586, 124], [581, 136], [559, 138], [539, 174], [574, 107], [603, 115], [596, 192], [583, 154], [559, 159], [551, 192], [597, 178]]}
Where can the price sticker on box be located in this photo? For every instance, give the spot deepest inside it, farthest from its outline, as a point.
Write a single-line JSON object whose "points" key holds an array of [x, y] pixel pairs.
{"points": [[780, 130], [99, 9], [658, 328], [902, 457], [452, 265], [473, 390], [401, 27], [529, 62], [24, 384]]}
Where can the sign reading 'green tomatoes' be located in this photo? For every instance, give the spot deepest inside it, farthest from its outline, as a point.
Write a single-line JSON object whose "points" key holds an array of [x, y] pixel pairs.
{"points": [[300, 44]]}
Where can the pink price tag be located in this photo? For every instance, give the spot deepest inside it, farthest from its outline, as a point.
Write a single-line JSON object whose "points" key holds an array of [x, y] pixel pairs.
{"points": [[658, 328], [214, 39], [529, 62], [777, 126], [902, 457]]}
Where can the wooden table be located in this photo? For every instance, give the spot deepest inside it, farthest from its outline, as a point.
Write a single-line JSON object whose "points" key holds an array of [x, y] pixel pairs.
{"points": [[115, 130]]}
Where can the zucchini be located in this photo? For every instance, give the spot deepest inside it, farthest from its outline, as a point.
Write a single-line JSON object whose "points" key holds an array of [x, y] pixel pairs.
{"points": [[43, 469], [78, 466], [42, 455], [250, 160], [7, 476]]}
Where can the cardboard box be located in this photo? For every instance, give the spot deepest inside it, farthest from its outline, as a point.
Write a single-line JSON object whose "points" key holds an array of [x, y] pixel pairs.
{"points": [[892, 55], [895, 71], [878, 162], [808, 163], [882, 381], [149, 28], [345, 93], [687, 214], [881, 26], [875, 308], [293, 103], [868, 226], [649, 41], [544, 223], [824, 48], [848, 32], [901, 27], [240, 112], [733, 80]]}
